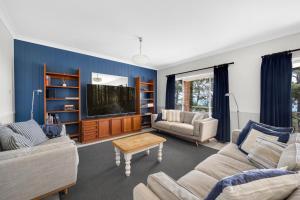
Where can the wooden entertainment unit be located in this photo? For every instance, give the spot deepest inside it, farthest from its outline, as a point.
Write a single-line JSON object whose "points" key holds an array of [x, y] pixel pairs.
{"points": [[102, 128]]}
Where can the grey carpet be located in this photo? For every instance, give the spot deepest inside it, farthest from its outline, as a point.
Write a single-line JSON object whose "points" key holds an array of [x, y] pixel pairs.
{"points": [[99, 177]]}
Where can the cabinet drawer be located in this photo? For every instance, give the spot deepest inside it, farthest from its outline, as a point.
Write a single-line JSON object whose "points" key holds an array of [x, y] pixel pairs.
{"points": [[90, 132], [89, 123], [89, 137], [89, 128]]}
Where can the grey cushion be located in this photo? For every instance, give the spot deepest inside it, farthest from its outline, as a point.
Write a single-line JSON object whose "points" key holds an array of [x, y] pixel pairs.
{"points": [[187, 117], [199, 116], [162, 124], [10, 140], [185, 129], [31, 130], [168, 189], [231, 150], [198, 183]]}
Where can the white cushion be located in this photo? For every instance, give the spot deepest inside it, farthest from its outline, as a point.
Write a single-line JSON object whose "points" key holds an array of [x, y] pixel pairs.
{"points": [[266, 153], [173, 115], [164, 114], [294, 138], [276, 188], [250, 140], [290, 157]]}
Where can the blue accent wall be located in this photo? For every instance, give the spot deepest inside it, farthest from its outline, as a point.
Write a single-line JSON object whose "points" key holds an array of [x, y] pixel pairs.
{"points": [[29, 59]]}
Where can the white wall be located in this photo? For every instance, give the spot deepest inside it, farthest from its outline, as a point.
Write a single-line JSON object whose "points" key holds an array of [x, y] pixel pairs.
{"points": [[244, 75], [6, 75]]}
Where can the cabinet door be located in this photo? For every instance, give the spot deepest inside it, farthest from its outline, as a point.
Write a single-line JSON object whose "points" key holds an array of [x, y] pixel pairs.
{"points": [[136, 123], [104, 128], [116, 126], [127, 124]]}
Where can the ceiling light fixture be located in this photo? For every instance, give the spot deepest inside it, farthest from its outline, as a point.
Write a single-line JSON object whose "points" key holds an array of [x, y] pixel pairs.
{"points": [[140, 58]]}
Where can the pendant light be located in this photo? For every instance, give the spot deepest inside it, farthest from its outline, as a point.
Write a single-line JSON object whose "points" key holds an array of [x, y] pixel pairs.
{"points": [[140, 59]]}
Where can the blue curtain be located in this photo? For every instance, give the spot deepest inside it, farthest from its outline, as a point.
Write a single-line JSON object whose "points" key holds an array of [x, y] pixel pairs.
{"points": [[221, 103], [275, 99], [170, 92]]}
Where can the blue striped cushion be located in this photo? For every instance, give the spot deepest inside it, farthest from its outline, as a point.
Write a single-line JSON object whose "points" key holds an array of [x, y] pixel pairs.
{"points": [[10, 140], [31, 130]]}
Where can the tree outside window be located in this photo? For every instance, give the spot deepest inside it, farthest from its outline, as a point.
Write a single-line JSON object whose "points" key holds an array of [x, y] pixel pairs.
{"points": [[296, 98]]}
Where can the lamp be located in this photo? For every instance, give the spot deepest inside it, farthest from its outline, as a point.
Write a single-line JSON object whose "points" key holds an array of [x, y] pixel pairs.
{"points": [[237, 107], [32, 102], [140, 58]]}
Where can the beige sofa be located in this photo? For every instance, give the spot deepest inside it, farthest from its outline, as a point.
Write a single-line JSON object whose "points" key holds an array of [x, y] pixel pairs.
{"points": [[198, 130], [197, 183], [36, 172]]}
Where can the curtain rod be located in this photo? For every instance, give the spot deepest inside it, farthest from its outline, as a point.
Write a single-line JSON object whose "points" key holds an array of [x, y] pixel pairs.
{"points": [[288, 51], [230, 63]]}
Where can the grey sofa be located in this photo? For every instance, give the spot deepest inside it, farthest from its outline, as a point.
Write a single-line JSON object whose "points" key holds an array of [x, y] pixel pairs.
{"points": [[197, 127], [36, 172], [197, 183]]}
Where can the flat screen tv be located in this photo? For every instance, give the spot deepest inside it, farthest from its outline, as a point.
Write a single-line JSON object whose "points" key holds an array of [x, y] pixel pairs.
{"points": [[110, 100]]}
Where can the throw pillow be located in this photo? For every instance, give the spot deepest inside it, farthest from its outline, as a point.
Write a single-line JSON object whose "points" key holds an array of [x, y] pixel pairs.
{"points": [[199, 116], [256, 131], [294, 138], [52, 130], [290, 157], [159, 117], [244, 132], [266, 153], [250, 180], [164, 114], [31, 130], [170, 115], [177, 115], [188, 117], [10, 140]]}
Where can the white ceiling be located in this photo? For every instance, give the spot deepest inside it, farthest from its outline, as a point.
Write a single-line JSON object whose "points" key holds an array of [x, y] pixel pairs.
{"points": [[173, 30]]}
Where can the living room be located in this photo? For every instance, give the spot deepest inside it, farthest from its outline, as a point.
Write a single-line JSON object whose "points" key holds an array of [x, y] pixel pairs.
{"points": [[149, 100]]}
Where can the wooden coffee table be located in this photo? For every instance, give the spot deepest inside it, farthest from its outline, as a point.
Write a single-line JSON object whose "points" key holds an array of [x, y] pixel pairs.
{"points": [[136, 144]]}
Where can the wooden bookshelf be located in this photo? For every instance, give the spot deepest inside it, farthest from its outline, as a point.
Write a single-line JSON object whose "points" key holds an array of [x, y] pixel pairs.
{"points": [[145, 94], [72, 125]]}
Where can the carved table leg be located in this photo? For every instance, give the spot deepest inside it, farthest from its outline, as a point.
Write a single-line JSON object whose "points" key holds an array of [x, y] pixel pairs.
{"points": [[159, 156], [117, 156], [127, 163]]}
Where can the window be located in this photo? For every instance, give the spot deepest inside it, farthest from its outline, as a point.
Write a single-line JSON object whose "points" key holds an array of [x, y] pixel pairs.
{"points": [[201, 94], [178, 95], [194, 93], [296, 95]]}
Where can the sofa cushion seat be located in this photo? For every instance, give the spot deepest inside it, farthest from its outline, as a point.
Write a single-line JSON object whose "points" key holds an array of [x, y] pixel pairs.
{"points": [[220, 166], [198, 183], [163, 124], [57, 139], [186, 129], [232, 150]]}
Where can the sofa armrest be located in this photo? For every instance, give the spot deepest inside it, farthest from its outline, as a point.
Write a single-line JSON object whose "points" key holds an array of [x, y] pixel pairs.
{"points": [[56, 163], [168, 189], [205, 129], [234, 135], [153, 118], [142, 192]]}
